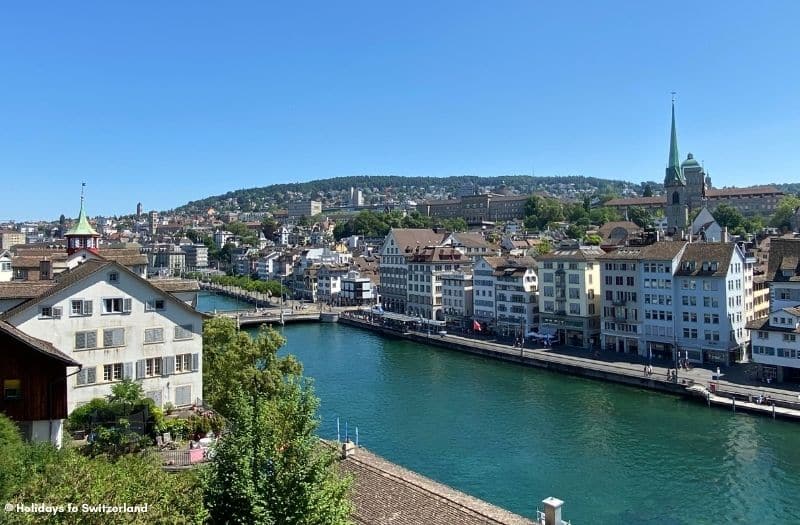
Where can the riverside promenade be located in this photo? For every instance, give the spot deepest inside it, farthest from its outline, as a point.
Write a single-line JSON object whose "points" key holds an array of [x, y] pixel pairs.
{"points": [[731, 390]]}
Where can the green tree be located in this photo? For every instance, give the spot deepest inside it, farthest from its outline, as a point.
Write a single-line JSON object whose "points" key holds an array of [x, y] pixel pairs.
{"points": [[603, 214], [648, 191], [456, 224], [593, 240], [272, 468], [233, 360], [541, 211], [544, 247], [640, 216], [728, 216], [784, 212], [12, 452]]}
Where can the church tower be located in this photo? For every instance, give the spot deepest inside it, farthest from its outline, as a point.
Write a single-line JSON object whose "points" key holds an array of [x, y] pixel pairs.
{"points": [[677, 199], [82, 235]]}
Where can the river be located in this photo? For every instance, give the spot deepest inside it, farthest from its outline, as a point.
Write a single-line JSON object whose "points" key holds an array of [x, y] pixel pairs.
{"points": [[514, 435]]}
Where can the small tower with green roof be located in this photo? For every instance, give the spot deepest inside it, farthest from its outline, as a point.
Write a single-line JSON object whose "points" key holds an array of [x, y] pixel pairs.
{"points": [[677, 202], [82, 236]]}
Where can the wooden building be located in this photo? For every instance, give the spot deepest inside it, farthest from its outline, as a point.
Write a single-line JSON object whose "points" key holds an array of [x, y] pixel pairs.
{"points": [[33, 377]]}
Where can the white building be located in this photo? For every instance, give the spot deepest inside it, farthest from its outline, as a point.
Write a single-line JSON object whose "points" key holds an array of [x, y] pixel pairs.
{"points": [[267, 267], [329, 281], [5, 266], [357, 290], [426, 268], [776, 338], [457, 298], [506, 294], [569, 298], [399, 243], [117, 325]]}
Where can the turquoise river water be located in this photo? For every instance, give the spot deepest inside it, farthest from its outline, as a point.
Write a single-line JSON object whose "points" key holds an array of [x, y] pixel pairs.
{"points": [[513, 435]]}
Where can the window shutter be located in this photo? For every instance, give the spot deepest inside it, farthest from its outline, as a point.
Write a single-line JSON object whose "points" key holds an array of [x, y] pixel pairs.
{"points": [[87, 307], [57, 312], [80, 340], [91, 339], [108, 338], [169, 365], [91, 375], [126, 306], [140, 369], [81, 376], [127, 371], [195, 362]]}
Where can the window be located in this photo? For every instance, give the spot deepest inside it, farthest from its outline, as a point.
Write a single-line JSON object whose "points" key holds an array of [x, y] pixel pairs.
{"points": [[183, 363], [50, 312], [85, 340], [574, 293], [116, 305], [152, 367], [86, 376], [81, 307], [575, 309], [183, 331], [113, 277], [789, 337], [153, 335], [762, 335], [112, 372], [154, 304], [113, 337], [574, 278], [12, 389]]}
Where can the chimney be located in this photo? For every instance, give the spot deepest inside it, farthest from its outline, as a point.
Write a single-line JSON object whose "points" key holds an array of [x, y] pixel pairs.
{"points": [[348, 449], [725, 236], [552, 511]]}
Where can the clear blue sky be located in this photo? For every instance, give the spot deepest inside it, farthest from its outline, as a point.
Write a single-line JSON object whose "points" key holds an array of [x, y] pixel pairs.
{"points": [[166, 102]]}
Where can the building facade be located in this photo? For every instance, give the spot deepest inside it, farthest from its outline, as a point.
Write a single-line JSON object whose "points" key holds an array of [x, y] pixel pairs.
{"points": [[399, 243], [118, 326], [569, 295]]}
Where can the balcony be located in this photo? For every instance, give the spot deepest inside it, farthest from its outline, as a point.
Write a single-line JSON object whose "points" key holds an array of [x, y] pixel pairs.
{"points": [[619, 302]]}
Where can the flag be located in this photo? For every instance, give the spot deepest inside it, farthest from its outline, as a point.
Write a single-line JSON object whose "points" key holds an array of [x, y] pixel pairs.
{"points": [[476, 325]]}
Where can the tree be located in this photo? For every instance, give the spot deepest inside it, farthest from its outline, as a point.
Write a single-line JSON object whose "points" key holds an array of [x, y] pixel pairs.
{"points": [[457, 224], [640, 216], [40, 472], [784, 212], [648, 191], [728, 216], [233, 360], [541, 211], [593, 240], [272, 468], [603, 215], [544, 247]]}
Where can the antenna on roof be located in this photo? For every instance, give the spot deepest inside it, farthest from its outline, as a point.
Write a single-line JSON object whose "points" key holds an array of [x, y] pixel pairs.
{"points": [[83, 186]]}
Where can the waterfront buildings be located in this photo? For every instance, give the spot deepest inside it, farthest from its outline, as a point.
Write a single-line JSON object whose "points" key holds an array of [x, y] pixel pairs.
{"points": [[457, 298], [356, 290], [399, 243], [569, 298], [425, 270], [775, 338], [117, 325], [505, 292], [675, 300]]}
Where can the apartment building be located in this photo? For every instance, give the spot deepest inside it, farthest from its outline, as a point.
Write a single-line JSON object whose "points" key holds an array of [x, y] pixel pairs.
{"points": [[329, 281], [638, 306], [357, 290], [457, 298], [399, 243], [569, 298], [711, 315], [118, 326], [775, 341], [426, 269]]}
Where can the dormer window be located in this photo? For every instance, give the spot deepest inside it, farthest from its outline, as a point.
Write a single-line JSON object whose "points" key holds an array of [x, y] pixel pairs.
{"points": [[113, 277]]}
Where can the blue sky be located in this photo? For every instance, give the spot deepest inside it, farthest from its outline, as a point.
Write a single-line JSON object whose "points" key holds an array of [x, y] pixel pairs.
{"points": [[166, 102]]}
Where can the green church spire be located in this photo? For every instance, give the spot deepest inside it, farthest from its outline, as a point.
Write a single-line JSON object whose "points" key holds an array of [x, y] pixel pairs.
{"points": [[82, 227], [674, 175]]}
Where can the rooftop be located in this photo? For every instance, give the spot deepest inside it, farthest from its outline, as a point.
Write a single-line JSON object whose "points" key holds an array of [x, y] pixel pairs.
{"points": [[385, 493]]}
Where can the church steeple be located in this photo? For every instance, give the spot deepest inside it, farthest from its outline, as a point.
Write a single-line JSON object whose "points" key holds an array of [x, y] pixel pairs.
{"points": [[674, 175], [82, 235]]}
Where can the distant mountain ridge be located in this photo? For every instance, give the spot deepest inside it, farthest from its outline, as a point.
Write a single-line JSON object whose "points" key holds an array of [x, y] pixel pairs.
{"points": [[382, 188]]}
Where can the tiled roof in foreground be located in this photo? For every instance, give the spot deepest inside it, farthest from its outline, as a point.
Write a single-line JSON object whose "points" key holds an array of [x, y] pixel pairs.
{"points": [[385, 493]]}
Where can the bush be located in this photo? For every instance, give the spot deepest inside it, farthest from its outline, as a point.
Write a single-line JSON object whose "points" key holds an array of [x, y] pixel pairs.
{"points": [[11, 457]]}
